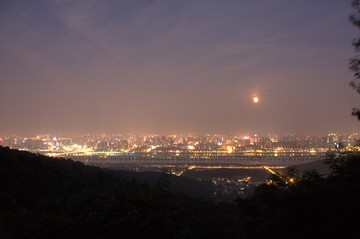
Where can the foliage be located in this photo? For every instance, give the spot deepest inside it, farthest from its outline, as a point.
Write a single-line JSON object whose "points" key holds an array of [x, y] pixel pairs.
{"points": [[354, 63], [314, 206], [44, 197]]}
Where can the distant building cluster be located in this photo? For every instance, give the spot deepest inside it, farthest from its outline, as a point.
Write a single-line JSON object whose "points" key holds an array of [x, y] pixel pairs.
{"points": [[181, 154], [180, 144]]}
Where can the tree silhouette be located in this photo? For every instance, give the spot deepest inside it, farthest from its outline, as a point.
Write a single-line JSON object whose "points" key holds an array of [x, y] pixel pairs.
{"points": [[354, 63]]}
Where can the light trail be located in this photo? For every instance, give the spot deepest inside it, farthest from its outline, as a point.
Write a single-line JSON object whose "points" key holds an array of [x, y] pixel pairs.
{"points": [[272, 171], [236, 167]]}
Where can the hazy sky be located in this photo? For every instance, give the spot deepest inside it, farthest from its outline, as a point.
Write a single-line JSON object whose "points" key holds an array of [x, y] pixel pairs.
{"points": [[176, 66]]}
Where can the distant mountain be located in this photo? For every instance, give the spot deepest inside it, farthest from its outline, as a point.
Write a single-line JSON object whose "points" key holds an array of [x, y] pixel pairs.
{"points": [[183, 185], [318, 165]]}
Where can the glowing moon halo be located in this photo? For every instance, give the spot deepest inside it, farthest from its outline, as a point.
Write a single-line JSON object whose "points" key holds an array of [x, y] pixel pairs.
{"points": [[255, 99]]}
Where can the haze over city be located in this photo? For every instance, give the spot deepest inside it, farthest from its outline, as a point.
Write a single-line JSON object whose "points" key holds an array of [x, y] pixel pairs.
{"points": [[176, 67]]}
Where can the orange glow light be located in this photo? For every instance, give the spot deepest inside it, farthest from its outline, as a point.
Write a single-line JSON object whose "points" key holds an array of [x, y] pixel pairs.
{"points": [[255, 99]]}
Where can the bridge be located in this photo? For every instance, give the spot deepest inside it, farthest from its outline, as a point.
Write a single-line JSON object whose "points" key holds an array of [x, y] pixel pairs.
{"points": [[284, 158]]}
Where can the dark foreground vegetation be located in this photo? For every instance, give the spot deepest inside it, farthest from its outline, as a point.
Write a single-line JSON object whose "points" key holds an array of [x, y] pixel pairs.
{"points": [[43, 197]]}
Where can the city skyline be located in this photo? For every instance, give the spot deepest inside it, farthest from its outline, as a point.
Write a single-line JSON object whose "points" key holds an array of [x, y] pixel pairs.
{"points": [[155, 67], [181, 140], [113, 134]]}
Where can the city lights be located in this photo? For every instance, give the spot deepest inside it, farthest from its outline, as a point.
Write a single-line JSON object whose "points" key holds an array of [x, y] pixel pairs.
{"points": [[185, 145]]}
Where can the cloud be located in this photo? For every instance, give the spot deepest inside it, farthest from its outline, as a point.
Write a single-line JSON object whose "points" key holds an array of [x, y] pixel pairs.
{"points": [[186, 64]]}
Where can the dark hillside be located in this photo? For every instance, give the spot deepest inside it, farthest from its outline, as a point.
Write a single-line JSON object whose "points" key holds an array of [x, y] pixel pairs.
{"points": [[318, 165], [307, 204], [44, 197], [183, 185]]}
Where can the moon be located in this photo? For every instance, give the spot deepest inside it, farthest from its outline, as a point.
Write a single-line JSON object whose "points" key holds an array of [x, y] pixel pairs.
{"points": [[255, 99]]}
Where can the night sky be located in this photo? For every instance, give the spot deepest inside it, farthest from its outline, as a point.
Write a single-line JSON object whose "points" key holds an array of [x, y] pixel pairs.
{"points": [[169, 67]]}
